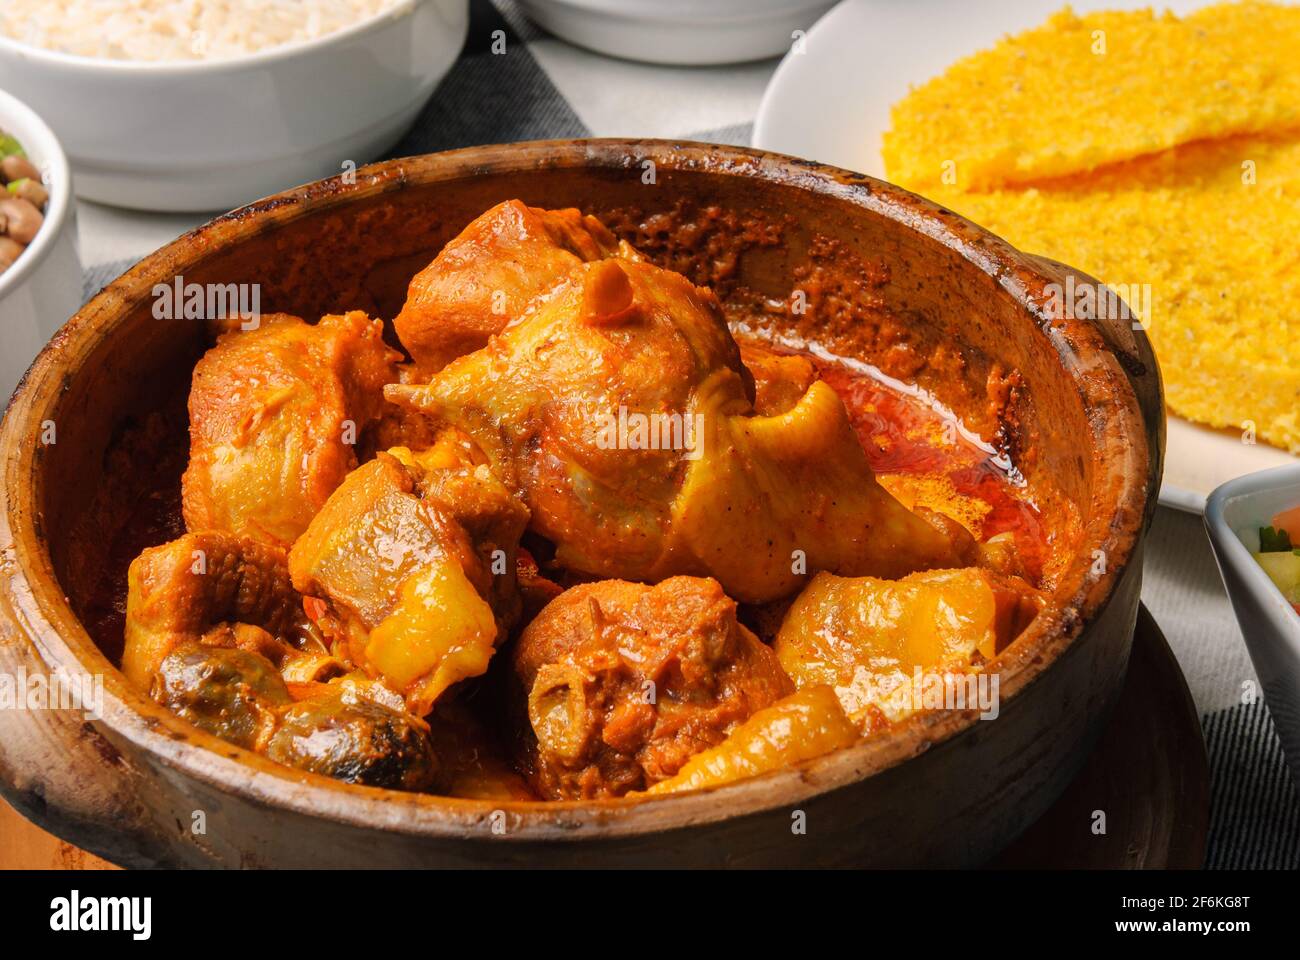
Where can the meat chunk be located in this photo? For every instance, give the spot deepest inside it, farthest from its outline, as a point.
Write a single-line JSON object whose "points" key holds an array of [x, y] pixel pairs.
{"points": [[619, 410], [624, 682], [399, 426], [487, 275], [275, 416], [413, 560], [210, 587]]}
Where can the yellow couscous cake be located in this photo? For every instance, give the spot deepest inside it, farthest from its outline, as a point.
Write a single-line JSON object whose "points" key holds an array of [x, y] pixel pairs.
{"points": [[1207, 233], [1081, 92]]}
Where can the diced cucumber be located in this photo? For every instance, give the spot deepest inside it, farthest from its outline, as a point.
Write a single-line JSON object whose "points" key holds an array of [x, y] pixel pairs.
{"points": [[1271, 541], [1284, 570]]}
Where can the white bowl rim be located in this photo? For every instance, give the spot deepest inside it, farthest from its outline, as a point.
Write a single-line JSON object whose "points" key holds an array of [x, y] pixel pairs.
{"points": [[41, 145], [686, 12], [283, 51]]}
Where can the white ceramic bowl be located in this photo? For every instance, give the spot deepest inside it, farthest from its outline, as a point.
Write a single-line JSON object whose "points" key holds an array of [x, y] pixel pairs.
{"points": [[685, 32], [1233, 516], [209, 135], [43, 286]]}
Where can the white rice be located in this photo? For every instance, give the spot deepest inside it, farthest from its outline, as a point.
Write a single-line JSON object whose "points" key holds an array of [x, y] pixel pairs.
{"points": [[178, 29]]}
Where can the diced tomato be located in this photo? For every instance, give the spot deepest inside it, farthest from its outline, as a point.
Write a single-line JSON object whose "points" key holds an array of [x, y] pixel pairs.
{"points": [[315, 608], [1289, 520]]}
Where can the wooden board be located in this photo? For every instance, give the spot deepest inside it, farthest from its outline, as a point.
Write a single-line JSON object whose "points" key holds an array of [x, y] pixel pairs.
{"points": [[25, 846], [1149, 775]]}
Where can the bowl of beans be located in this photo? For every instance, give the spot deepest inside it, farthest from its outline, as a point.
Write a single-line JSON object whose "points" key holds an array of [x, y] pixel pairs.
{"points": [[40, 274], [22, 207]]}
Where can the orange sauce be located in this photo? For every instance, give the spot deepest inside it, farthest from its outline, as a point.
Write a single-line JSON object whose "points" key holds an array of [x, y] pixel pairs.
{"points": [[912, 441]]}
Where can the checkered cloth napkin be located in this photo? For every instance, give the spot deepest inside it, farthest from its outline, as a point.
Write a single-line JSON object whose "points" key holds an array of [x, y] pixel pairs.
{"points": [[543, 88]]}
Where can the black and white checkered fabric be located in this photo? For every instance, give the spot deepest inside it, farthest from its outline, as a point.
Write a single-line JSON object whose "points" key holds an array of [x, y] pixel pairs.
{"points": [[542, 88]]}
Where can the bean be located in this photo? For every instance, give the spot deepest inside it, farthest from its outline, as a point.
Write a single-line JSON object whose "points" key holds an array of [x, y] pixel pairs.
{"points": [[10, 250], [24, 220], [15, 167], [33, 191]]}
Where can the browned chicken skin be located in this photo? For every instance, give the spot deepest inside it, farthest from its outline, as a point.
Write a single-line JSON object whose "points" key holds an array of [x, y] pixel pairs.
{"points": [[214, 588], [624, 682], [780, 380], [619, 410], [487, 275], [275, 416]]}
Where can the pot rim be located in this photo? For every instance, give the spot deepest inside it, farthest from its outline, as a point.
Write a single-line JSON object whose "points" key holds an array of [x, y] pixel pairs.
{"points": [[1113, 521]]}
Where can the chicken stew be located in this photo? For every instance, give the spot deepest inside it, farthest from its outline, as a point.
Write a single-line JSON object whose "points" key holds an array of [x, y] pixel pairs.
{"points": [[586, 535]]}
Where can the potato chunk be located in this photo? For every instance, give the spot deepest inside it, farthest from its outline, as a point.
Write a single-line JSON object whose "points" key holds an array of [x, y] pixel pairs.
{"points": [[866, 637], [411, 566], [804, 725]]}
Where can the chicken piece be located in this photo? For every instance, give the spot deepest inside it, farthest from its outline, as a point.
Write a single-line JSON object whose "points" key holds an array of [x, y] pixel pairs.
{"points": [[536, 590], [624, 682], [399, 426], [412, 566], [213, 588], [865, 637], [618, 409], [487, 275], [275, 416], [804, 725], [780, 379]]}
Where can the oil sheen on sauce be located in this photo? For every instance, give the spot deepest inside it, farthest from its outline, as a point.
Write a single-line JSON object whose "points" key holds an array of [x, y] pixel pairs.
{"points": [[921, 453]]}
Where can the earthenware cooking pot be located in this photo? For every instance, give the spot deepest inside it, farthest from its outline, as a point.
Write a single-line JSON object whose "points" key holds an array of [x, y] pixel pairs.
{"points": [[893, 280]]}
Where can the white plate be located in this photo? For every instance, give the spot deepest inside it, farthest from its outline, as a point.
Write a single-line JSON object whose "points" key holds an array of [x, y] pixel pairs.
{"points": [[830, 102]]}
